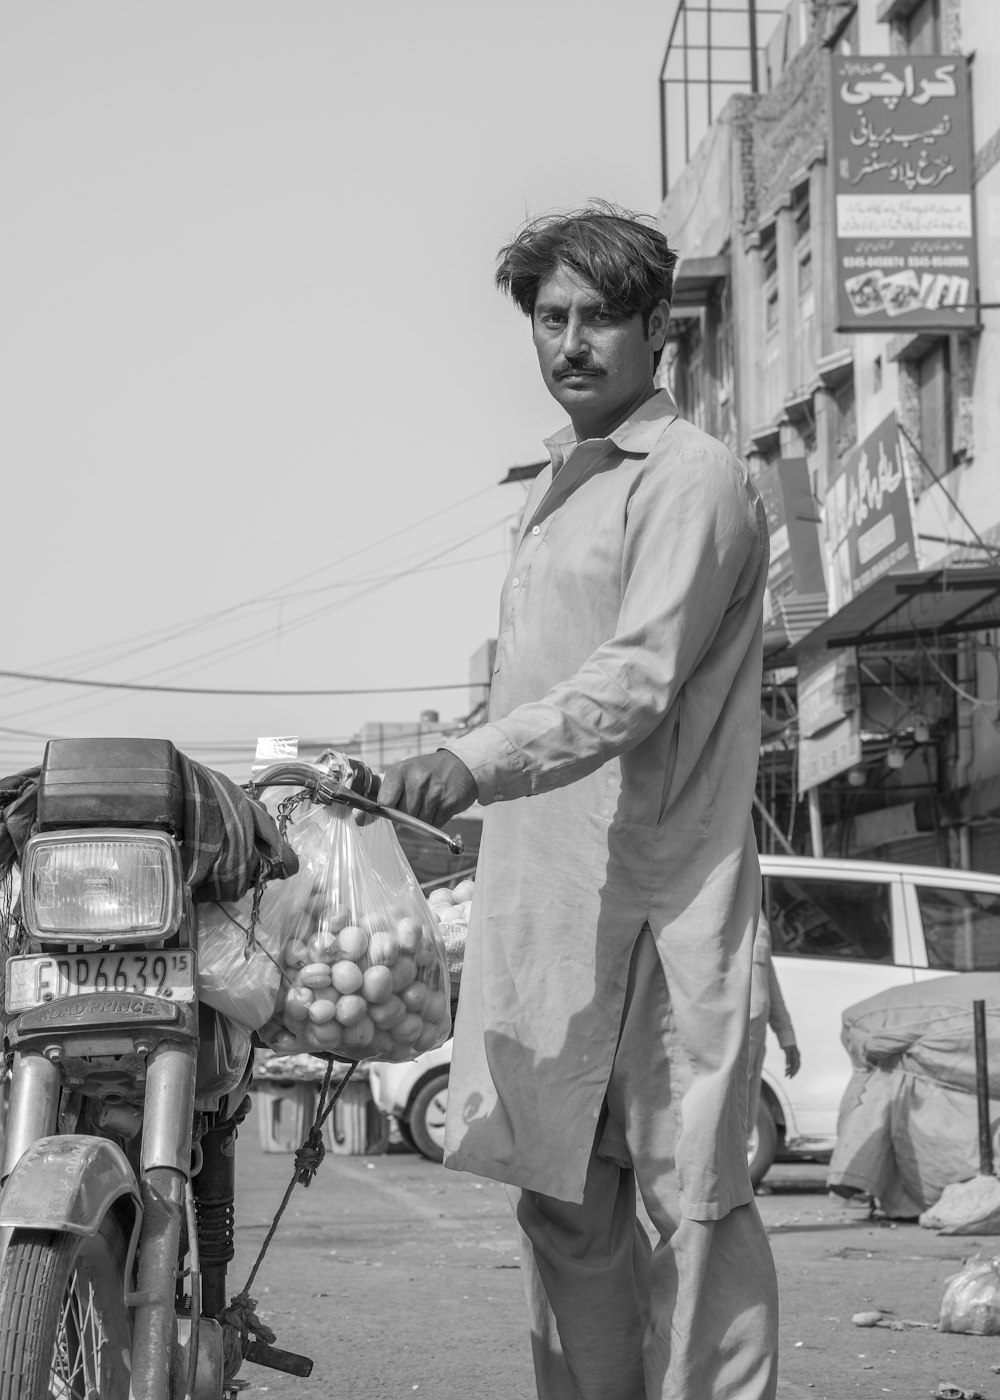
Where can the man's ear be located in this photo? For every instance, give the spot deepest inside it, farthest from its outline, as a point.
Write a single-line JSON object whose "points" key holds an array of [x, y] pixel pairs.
{"points": [[659, 319]]}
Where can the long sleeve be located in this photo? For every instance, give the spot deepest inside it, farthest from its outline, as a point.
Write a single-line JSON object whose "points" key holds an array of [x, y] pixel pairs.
{"points": [[692, 548], [778, 1018]]}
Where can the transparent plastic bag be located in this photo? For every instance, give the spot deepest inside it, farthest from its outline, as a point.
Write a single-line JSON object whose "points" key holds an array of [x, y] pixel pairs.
{"points": [[364, 974], [238, 975], [971, 1301]]}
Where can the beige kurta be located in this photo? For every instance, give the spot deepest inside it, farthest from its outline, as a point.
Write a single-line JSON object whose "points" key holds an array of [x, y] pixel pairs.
{"points": [[618, 768]]}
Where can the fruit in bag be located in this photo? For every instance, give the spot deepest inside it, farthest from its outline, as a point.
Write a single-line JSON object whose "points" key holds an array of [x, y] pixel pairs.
{"points": [[363, 968]]}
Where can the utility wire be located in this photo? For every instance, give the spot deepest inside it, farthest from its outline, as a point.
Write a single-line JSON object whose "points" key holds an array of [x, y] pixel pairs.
{"points": [[141, 641], [241, 645], [209, 690], [257, 638]]}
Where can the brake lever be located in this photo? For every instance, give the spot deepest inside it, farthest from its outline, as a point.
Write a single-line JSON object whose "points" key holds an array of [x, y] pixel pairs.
{"points": [[344, 794]]}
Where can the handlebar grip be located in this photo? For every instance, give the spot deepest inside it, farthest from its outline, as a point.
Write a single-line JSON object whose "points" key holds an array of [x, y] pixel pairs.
{"points": [[365, 781]]}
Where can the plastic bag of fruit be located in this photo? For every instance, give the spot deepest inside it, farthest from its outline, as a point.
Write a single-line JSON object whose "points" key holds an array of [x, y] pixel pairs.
{"points": [[363, 969]]}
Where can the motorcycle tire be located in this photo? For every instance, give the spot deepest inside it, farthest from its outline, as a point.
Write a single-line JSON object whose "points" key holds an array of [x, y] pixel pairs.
{"points": [[64, 1327]]}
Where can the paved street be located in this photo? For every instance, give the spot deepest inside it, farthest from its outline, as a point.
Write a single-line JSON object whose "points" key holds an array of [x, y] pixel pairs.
{"points": [[401, 1280]]}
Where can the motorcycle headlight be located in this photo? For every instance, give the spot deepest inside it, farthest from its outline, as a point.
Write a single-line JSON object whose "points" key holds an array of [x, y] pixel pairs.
{"points": [[101, 886]]}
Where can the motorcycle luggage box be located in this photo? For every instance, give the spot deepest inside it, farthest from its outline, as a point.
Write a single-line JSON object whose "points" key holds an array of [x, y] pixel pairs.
{"points": [[110, 782]]}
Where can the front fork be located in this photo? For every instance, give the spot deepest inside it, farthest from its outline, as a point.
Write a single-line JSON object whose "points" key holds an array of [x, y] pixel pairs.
{"points": [[165, 1162], [33, 1110]]}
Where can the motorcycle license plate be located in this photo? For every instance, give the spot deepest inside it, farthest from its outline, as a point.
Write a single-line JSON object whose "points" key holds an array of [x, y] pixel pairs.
{"points": [[35, 981]]}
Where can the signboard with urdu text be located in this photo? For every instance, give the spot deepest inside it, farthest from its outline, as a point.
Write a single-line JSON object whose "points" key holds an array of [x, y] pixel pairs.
{"points": [[869, 521], [902, 185]]}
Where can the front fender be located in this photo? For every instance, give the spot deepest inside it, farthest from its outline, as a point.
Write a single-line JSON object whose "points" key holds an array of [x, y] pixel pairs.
{"points": [[68, 1182]]}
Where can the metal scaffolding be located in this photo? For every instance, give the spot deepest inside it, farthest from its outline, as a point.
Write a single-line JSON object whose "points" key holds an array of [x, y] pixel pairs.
{"points": [[714, 50]]}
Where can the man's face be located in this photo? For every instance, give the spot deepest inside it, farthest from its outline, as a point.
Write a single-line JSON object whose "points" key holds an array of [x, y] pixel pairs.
{"points": [[596, 361]]}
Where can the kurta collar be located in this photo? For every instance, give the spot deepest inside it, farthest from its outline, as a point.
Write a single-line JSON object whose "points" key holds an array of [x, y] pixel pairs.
{"points": [[639, 434]]}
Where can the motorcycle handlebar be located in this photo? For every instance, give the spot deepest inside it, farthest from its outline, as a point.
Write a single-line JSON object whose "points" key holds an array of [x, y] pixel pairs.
{"points": [[360, 794]]}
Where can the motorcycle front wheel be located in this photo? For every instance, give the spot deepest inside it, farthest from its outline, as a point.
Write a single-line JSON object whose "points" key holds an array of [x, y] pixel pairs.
{"points": [[64, 1327]]}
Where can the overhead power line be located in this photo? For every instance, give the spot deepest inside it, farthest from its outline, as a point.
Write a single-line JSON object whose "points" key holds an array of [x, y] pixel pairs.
{"points": [[145, 640], [209, 690]]}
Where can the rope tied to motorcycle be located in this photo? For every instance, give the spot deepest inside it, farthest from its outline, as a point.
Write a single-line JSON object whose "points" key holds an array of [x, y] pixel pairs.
{"points": [[308, 1159]]}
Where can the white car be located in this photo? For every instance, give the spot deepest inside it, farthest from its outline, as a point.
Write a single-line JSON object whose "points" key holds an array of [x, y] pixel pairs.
{"points": [[416, 1095], [841, 931]]}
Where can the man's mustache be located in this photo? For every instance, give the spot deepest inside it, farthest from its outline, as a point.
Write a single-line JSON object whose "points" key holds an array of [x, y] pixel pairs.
{"points": [[565, 371]]}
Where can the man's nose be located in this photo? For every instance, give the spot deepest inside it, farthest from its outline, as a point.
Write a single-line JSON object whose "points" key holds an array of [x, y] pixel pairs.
{"points": [[574, 340]]}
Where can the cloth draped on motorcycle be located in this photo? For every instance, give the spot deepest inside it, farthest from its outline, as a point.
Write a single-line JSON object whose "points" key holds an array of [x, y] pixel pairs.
{"points": [[229, 839]]}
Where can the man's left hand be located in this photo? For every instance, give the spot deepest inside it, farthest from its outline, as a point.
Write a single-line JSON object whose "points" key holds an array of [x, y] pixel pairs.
{"points": [[793, 1061], [433, 787]]}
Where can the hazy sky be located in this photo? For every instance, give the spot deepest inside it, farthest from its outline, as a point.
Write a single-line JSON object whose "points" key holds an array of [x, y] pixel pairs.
{"points": [[258, 389]]}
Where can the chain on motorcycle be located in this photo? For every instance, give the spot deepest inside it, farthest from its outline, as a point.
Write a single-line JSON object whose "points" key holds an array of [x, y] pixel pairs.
{"points": [[286, 807], [268, 868]]}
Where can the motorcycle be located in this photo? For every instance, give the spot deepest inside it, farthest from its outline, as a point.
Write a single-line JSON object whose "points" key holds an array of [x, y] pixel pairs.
{"points": [[126, 1095]]}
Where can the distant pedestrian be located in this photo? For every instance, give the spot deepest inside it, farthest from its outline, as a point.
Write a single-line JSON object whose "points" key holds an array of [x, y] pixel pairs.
{"points": [[767, 1008]]}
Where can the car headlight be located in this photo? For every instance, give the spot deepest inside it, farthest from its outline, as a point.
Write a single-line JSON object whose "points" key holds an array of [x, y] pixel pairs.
{"points": [[101, 886]]}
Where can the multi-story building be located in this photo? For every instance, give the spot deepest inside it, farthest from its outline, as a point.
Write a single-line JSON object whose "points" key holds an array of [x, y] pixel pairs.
{"points": [[832, 183]]}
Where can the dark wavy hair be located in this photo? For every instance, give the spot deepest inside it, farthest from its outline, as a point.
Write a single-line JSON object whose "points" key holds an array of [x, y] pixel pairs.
{"points": [[624, 255]]}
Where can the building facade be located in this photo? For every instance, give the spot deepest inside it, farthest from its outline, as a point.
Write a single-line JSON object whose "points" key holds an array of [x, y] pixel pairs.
{"points": [[836, 323]]}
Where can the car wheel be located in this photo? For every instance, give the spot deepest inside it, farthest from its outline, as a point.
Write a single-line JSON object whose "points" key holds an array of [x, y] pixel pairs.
{"points": [[762, 1143], [425, 1119]]}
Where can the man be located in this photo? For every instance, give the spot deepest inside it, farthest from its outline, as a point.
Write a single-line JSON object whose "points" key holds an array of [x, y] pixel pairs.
{"points": [[602, 1036], [767, 1008]]}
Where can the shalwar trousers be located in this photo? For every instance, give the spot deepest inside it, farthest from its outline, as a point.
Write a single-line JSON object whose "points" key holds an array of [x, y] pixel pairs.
{"points": [[690, 1316]]}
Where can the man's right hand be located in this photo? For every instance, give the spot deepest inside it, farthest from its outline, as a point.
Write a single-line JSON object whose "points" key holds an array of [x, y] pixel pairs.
{"points": [[433, 787]]}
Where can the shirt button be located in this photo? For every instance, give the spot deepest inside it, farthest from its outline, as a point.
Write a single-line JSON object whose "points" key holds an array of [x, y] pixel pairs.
{"points": [[515, 581], [535, 530]]}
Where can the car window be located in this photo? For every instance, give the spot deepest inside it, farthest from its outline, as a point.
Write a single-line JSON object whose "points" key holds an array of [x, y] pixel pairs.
{"points": [[961, 929], [829, 918]]}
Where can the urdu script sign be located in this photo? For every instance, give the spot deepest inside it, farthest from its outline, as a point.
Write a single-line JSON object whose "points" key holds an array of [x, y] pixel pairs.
{"points": [[902, 186], [869, 518]]}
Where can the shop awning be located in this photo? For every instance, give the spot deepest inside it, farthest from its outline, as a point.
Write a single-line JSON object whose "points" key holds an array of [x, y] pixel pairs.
{"points": [[697, 281], [899, 607]]}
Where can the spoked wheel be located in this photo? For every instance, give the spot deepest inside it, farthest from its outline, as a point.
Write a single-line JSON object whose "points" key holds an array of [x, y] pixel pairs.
{"points": [[64, 1327]]}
